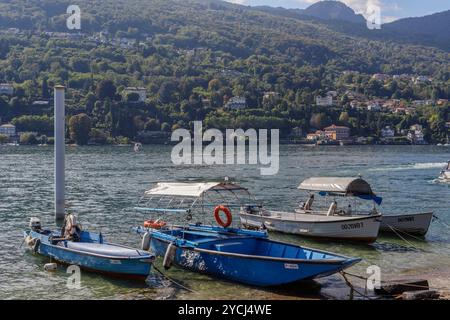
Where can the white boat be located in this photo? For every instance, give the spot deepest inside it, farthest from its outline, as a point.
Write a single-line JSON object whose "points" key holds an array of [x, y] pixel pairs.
{"points": [[340, 224], [137, 147], [445, 173], [415, 223]]}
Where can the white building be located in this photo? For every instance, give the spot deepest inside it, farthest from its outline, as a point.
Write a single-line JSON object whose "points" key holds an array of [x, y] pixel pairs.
{"points": [[8, 129], [381, 77], [141, 92], [387, 132], [326, 101], [6, 88], [421, 79], [375, 107], [236, 103], [415, 134]]}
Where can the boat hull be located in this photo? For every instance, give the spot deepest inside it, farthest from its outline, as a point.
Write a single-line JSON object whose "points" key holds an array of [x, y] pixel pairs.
{"points": [[130, 267], [359, 229], [416, 223], [250, 269]]}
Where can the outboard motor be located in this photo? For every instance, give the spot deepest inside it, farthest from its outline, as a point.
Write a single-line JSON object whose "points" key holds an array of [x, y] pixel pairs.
{"points": [[35, 224]]}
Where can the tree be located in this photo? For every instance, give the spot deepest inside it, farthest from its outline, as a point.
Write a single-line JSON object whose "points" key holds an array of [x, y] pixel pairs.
{"points": [[44, 88], [79, 128], [106, 89], [4, 138], [28, 138]]}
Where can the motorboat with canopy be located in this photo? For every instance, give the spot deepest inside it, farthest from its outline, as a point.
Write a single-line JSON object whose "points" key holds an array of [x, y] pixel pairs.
{"points": [[224, 251], [339, 223]]}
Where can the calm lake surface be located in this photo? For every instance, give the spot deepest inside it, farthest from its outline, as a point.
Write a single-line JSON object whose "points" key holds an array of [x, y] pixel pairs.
{"points": [[103, 184]]}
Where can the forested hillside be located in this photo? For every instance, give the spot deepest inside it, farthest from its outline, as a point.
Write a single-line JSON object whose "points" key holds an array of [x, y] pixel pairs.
{"points": [[192, 57]]}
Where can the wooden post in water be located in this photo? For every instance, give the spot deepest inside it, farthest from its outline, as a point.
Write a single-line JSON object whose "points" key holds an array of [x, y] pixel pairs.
{"points": [[60, 134]]}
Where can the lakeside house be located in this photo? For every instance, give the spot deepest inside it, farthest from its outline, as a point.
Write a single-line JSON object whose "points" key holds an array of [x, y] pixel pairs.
{"points": [[8, 130], [140, 91], [337, 132], [317, 136], [387, 132], [236, 103], [415, 134], [6, 89]]}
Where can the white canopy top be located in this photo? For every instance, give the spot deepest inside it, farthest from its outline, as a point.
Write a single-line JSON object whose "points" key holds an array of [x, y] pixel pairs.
{"points": [[188, 189], [347, 186]]}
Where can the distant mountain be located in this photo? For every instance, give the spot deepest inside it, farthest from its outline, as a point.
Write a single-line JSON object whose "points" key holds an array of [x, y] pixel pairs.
{"points": [[431, 30], [333, 10], [323, 10]]}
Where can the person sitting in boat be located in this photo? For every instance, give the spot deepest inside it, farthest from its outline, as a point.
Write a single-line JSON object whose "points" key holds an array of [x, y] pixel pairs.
{"points": [[332, 209], [72, 228], [308, 204]]}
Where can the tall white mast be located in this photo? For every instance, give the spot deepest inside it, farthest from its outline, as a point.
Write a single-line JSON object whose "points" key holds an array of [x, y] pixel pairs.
{"points": [[59, 152]]}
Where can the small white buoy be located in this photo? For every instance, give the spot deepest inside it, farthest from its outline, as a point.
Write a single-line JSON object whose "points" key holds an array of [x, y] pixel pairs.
{"points": [[50, 266]]}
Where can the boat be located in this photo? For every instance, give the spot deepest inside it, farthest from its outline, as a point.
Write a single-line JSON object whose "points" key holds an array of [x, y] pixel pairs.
{"points": [[223, 251], [337, 224], [137, 147], [445, 173], [88, 250], [415, 223]]}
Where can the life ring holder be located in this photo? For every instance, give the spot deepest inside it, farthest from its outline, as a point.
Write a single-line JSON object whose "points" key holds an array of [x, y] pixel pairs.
{"points": [[229, 220]]}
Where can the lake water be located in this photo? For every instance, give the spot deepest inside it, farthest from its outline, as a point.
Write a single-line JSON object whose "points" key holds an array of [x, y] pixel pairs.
{"points": [[103, 184]]}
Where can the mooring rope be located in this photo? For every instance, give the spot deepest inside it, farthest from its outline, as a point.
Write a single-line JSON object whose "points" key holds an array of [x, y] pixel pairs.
{"points": [[441, 221], [352, 287], [173, 281], [400, 236]]}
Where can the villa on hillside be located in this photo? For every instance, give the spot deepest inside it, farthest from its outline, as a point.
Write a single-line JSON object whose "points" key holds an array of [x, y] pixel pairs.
{"points": [[236, 103], [7, 89], [140, 91], [326, 101]]}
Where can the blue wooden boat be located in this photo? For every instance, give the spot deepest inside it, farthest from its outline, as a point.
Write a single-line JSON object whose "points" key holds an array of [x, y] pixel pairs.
{"points": [[244, 256], [90, 252]]}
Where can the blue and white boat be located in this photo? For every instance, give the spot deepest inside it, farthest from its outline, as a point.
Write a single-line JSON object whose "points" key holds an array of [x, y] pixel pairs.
{"points": [[90, 252], [235, 254], [244, 256]]}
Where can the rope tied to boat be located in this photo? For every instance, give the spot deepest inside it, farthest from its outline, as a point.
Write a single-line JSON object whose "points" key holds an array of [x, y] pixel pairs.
{"points": [[173, 281], [397, 232], [438, 219]]}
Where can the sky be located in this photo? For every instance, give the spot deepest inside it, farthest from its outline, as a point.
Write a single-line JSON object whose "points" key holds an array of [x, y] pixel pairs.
{"points": [[390, 9]]}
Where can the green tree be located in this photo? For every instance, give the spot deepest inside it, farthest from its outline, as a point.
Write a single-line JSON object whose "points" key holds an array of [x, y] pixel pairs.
{"points": [[28, 138], [4, 138], [106, 89], [79, 128]]}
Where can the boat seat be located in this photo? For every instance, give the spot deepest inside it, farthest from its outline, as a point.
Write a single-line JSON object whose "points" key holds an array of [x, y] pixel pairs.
{"points": [[222, 246], [105, 249]]}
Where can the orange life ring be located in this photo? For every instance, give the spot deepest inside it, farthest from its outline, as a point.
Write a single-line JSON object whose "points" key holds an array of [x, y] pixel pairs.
{"points": [[219, 220], [154, 224]]}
